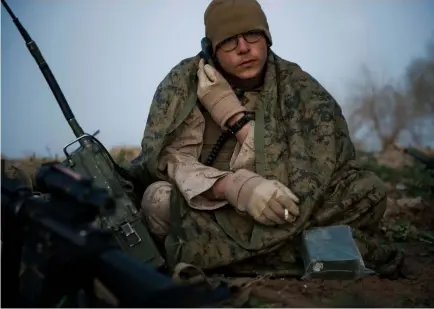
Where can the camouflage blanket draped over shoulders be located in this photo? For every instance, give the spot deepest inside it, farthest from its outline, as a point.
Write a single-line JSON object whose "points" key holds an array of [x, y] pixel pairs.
{"points": [[301, 139]]}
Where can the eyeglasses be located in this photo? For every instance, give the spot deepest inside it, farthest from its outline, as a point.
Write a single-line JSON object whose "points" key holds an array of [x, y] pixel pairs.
{"points": [[250, 37]]}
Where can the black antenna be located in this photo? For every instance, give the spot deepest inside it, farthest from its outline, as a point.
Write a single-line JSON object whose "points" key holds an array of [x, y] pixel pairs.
{"points": [[49, 77]]}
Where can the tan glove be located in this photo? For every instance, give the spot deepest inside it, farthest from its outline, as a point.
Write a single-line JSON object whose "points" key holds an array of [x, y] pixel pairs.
{"points": [[267, 201], [216, 95]]}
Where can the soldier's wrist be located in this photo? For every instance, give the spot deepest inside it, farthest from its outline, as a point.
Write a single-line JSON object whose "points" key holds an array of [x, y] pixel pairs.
{"points": [[219, 188], [236, 193], [228, 112], [233, 120]]}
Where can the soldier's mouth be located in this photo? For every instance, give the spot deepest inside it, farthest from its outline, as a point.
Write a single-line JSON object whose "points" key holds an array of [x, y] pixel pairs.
{"points": [[247, 62]]}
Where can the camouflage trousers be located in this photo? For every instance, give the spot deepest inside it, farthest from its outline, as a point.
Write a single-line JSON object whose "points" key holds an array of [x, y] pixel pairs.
{"points": [[218, 251], [155, 208]]}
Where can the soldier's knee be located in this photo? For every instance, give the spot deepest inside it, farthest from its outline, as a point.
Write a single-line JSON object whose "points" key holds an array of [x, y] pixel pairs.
{"points": [[155, 207]]}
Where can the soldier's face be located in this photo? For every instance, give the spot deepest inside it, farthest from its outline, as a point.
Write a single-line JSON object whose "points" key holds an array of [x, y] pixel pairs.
{"points": [[244, 55]]}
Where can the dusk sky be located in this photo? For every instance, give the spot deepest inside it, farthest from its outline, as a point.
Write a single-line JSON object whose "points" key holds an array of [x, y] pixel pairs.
{"points": [[109, 56]]}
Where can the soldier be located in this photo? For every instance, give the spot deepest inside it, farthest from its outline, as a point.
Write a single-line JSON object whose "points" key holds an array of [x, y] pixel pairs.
{"points": [[288, 164]]}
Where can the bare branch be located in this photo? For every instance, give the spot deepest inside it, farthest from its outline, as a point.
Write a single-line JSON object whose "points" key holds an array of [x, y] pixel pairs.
{"points": [[393, 112]]}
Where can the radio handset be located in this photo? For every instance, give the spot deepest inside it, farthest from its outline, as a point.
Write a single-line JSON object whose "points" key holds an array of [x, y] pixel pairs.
{"points": [[206, 52]]}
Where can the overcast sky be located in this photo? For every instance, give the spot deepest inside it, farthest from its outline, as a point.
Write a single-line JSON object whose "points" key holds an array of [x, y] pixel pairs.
{"points": [[109, 56]]}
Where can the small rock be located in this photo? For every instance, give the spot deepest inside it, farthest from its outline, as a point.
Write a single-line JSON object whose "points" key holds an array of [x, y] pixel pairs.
{"points": [[412, 203], [401, 186]]}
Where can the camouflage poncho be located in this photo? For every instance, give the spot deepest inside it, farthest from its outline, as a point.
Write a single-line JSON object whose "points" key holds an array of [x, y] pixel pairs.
{"points": [[301, 139]]}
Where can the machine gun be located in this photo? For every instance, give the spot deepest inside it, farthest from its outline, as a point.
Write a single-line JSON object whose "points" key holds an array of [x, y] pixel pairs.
{"points": [[51, 250], [92, 159]]}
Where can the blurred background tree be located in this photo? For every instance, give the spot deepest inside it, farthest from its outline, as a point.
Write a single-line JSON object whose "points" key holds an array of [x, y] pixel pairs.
{"points": [[386, 113]]}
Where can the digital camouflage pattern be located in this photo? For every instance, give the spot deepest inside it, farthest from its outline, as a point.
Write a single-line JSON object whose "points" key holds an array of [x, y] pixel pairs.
{"points": [[302, 140]]}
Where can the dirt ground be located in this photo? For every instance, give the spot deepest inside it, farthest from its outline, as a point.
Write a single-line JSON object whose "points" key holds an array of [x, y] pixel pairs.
{"points": [[408, 221], [414, 289], [411, 228]]}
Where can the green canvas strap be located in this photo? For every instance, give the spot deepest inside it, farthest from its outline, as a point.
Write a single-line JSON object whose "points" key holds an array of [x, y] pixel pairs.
{"points": [[176, 202], [190, 103], [259, 139], [176, 198], [177, 235]]}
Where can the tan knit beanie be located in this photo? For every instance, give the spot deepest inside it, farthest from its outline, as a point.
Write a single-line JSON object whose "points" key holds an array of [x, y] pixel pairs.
{"points": [[226, 18]]}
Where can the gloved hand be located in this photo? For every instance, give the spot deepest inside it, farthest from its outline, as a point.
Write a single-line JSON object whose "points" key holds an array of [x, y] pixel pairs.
{"points": [[216, 95], [267, 201]]}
